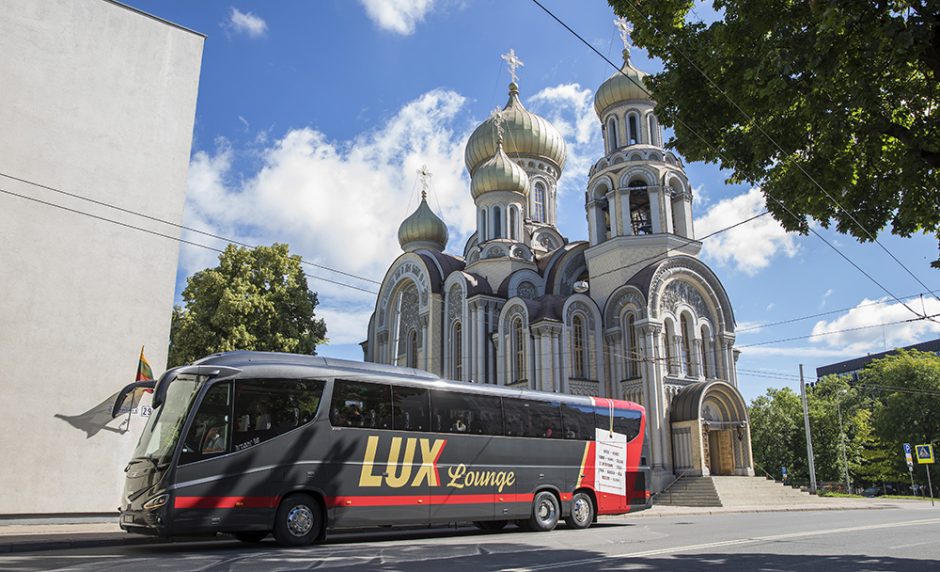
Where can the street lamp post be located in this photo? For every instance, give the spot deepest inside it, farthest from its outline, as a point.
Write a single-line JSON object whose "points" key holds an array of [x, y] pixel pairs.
{"points": [[809, 436]]}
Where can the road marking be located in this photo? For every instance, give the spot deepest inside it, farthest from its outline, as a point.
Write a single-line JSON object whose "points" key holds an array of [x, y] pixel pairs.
{"points": [[724, 543]]}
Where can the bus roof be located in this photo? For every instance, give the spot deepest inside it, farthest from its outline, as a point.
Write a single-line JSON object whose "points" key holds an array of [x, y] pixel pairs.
{"points": [[292, 366]]}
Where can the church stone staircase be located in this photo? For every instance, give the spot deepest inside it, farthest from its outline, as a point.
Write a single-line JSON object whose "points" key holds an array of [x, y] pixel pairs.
{"points": [[731, 491]]}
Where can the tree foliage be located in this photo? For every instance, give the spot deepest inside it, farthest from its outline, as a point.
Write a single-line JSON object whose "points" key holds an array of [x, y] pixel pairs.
{"points": [[255, 299], [806, 95], [906, 387], [896, 400]]}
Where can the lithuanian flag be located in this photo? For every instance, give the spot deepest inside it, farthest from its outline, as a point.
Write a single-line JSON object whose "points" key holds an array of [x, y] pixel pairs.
{"points": [[144, 373]]}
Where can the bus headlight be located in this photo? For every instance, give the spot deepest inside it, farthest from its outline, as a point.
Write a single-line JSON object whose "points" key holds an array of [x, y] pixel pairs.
{"points": [[157, 501]]}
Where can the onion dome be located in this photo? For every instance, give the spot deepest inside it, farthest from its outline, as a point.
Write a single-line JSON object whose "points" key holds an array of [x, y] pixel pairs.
{"points": [[525, 134], [624, 85], [423, 229], [500, 173]]}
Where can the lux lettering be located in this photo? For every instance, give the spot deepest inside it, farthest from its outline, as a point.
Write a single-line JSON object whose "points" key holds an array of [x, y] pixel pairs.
{"points": [[398, 476]]}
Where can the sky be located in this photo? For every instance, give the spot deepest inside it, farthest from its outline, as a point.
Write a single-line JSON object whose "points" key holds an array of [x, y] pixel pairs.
{"points": [[313, 118]]}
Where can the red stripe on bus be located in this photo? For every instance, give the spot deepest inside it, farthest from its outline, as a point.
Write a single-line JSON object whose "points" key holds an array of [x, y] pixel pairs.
{"points": [[410, 500], [225, 502]]}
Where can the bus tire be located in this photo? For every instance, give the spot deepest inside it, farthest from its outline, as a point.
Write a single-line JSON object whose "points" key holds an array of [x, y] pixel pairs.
{"points": [[582, 511], [299, 521], [251, 536], [545, 512], [490, 524]]}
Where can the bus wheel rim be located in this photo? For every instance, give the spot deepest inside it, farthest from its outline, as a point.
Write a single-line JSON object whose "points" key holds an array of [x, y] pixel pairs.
{"points": [[300, 520], [546, 511], [581, 510]]}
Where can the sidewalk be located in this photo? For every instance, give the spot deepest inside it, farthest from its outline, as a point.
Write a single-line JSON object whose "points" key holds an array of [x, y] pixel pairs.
{"points": [[15, 537]]}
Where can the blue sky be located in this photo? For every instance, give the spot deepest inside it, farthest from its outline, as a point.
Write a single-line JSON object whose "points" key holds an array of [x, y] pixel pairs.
{"points": [[313, 117]]}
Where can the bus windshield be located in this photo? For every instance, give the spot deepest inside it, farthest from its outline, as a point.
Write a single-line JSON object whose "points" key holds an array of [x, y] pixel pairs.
{"points": [[163, 428]]}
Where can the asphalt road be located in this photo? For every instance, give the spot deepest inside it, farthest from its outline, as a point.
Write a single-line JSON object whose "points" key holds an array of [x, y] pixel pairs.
{"points": [[906, 539]]}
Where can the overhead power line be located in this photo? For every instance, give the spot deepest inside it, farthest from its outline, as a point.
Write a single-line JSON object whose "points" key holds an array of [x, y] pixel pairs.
{"points": [[160, 234], [170, 223]]}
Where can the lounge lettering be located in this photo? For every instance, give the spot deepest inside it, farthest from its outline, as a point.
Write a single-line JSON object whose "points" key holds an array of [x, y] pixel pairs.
{"points": [[461, 477], [401, 464]]}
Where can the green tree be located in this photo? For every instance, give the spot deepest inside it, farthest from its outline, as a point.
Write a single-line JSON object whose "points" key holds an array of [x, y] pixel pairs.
{"points": [[907, 389], [255, 299], [777, 433], [804, 95]]}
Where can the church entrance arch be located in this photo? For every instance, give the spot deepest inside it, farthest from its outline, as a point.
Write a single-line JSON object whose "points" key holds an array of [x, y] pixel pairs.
{"points": [[710, 432]]}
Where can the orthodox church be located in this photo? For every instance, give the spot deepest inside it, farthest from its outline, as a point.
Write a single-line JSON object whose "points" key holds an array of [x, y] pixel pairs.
{"points": [[631, 313]]}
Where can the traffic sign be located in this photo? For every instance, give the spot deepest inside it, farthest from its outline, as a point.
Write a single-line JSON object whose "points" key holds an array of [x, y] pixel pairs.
{"points": [[908, 457], [925, 454]]}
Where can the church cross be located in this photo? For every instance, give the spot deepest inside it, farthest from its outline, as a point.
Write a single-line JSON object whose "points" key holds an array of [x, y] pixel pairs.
{"points": [[625, 30], [425, 175], [513, 62]]}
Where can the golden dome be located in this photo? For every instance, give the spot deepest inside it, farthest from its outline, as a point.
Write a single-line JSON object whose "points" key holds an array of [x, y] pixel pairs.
{"points": [[624, 85], [423, 229], [500, 173], [526, 134]]}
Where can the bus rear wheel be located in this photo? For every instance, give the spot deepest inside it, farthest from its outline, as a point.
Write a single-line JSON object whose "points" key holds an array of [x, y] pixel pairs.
{"points": [[490, 524], [298, 521], [582, 511], [544, 512]]}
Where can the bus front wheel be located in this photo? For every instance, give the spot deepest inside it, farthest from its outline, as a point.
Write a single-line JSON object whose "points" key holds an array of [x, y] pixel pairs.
{"points": [[298, 521], [582, 511], [545, 512]]}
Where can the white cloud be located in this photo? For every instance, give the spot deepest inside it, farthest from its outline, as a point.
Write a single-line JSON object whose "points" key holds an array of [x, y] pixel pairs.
{"points": [[399, 16], [862, 339], [749, 247], [571, 110], [796, 353], [336, 203], [825, 298], [246, 23]]}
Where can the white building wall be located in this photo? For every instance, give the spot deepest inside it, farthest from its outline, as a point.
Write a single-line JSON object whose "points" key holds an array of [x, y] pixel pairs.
{"points": [[97, 99]]}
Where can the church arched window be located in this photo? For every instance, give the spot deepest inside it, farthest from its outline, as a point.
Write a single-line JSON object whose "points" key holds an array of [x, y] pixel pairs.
{"points": [[631, 347], [633, 136], [483, 236], [612, 135], [640, 216], [497, 223], [686, 347], [513, 223], [539, 214], [669, 343], [518, 350], [578, 348], [457, 350], [703, 353], [413, 348], [654, 131]]}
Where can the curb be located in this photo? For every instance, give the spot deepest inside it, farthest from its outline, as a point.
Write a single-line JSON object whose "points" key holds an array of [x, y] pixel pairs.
{"points": [[743, 510], [61, 542]]}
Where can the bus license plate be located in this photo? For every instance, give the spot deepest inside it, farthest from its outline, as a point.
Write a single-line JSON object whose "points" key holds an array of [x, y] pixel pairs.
{"points": [[127, 518]]}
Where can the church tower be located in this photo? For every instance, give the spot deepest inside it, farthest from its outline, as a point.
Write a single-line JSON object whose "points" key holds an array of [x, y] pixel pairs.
{"points": [[638, 201]]}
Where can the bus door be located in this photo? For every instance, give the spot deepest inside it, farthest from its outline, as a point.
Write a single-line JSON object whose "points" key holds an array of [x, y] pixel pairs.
{"points": [[376, 469], [203, 496]]}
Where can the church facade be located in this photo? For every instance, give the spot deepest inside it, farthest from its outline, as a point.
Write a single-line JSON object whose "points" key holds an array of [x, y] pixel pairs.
{"points": [[631, 313]]}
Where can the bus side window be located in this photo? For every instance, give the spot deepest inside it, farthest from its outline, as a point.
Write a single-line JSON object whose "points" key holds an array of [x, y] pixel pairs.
{"points": [[578, 421], [627, 422], [410, 408], [361, 404], [210, 432], [517, 417], [546, 419], [266, 408], [465, 412]]}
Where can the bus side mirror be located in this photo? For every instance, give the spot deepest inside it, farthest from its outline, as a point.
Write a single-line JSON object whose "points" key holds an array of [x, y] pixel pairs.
{"points": [[129, 391]]}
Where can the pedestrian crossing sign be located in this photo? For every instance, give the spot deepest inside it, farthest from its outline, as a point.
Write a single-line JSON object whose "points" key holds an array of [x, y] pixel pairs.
{"points": [[924, 454]]}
